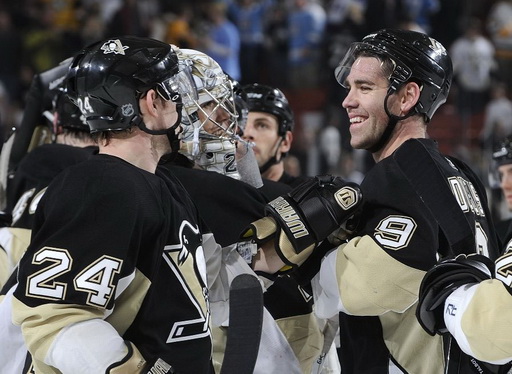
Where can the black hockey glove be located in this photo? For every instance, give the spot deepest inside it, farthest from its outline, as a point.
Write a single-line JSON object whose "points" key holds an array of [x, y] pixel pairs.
{"points": [[300, 220], [442, 280], [135, 363]]}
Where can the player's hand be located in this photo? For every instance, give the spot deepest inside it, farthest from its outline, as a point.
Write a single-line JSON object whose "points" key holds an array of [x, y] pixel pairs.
{"points": [[300, 220], [442, 280]]}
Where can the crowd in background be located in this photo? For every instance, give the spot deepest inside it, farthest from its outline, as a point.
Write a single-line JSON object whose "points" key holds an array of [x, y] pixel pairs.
{"points": [[291, 44]]}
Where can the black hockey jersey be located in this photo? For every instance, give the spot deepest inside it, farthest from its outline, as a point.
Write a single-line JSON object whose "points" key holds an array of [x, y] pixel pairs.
{"points": [[379, 271], [227, 207], [24, 190], [35, 171], [115, 242]]}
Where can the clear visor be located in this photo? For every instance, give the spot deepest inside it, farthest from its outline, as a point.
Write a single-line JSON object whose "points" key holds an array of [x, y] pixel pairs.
{"points": [[179, 88], [399, 72]]}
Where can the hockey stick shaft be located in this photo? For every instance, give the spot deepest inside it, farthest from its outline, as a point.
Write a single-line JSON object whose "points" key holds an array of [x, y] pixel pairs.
{"points": [[245, 324]]}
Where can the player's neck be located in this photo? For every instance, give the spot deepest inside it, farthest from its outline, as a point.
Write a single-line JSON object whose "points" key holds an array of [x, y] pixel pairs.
{"points": [[137, 149], [410, 128], [275, 172]]}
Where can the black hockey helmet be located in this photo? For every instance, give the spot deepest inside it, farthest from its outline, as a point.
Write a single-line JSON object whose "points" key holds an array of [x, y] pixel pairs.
{"points": [[415, 57], [241, 106], [262, 98], [107, 79], [67, 114], [503, 153]]}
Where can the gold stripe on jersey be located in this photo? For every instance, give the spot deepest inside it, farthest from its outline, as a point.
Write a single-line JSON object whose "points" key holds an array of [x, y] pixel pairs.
{"points": [[129, 303], [219, 341], [487, 322], [43, 333], [371, 282], [303, 334], [410, 345]]}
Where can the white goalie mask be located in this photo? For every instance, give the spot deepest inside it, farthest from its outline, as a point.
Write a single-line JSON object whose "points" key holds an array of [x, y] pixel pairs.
{"points": [[210, 121]]}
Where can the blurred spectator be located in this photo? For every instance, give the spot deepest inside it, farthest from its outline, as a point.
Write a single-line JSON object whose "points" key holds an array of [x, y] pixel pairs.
{"points": [[499, 24], [107, 9], [43, 40], [222, 40], [307, 24], [12, 45], [344, 25], [498, 118], [473, 67], [249, 17], [381, 14], [329, 144], [92, 27], [179, 30], [349, 170], [445, 23], [127, 20], [420, 12], [292, 166], [276, 46]]}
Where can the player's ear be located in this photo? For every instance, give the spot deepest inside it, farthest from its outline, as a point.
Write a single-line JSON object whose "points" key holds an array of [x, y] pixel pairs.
{"points": [[410, 94], [148, 103], [286, 144]]}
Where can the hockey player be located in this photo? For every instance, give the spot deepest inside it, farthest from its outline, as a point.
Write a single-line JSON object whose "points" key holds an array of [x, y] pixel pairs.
{"points": [[502, 163], [241, 203], [72, 143], [122, 239], [33, 130], [120, 271], [466, 296], [419, 206], [270, 126]]}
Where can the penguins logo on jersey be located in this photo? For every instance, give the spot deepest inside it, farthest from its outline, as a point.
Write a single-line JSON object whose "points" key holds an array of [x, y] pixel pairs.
{"points": [[187, 262], [189, 242]]}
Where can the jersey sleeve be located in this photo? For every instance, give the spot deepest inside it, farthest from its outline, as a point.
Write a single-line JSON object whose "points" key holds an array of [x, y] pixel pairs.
{"points": [[477, 315], [359, 278], [478, 318]]}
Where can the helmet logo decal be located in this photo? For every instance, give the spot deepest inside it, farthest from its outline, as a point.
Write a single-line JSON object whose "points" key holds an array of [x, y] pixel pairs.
{"points": [[254, 95], [127, 110], [113, 46], [437, 47]]}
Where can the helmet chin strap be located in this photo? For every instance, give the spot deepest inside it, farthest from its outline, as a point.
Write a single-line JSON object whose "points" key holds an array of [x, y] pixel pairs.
{"points": [[272, 160], [392, 122], [174, 139]]}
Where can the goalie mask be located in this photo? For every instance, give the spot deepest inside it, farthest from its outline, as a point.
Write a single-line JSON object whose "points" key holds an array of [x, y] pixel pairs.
{"points": [[107, 79], [210, 122]]}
